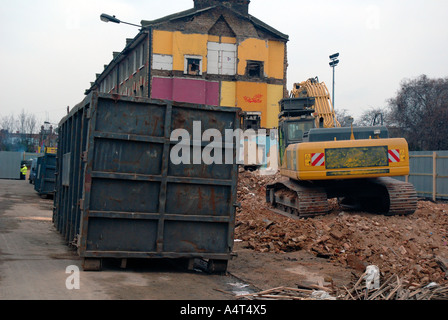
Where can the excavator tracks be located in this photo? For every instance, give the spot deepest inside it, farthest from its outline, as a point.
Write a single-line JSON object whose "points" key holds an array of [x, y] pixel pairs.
{"points": [[402, 196], [386, 196], [296, 200]]}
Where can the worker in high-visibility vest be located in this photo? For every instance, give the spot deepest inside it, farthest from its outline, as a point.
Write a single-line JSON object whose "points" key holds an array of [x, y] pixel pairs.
{"points": [[23, 172]]}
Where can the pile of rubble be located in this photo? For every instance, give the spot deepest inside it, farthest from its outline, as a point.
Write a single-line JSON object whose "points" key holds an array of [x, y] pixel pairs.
{"points": [[415, 247]]}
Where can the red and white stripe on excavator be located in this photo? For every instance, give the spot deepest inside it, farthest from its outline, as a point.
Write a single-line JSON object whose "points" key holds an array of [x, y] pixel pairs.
{"points": [[317, 159], [394, 155]]}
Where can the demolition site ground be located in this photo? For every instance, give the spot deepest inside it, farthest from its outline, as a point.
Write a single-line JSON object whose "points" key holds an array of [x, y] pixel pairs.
{"points": [[276, 257]]}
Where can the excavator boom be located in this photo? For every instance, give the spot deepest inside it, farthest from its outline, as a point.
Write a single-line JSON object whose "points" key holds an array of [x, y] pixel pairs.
{"points": [[324, 111]]}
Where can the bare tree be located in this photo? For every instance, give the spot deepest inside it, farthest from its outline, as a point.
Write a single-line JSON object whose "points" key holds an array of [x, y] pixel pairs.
{"points": [[374, 116], [25, 124], [7, 123], [21, 122], [420, 110], [343, 117], [31, 124]]}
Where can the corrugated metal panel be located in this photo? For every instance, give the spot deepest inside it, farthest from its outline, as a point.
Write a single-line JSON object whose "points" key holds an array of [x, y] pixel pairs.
{"points": [[120, 196], [10, 164], [423, 176], [442, 174]]}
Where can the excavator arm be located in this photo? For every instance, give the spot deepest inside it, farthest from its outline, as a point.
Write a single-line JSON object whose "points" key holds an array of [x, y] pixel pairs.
{"points": [[324, 111]]}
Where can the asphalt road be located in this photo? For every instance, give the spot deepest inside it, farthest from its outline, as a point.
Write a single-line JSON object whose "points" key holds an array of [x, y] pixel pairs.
{"points": [[36, 264]]}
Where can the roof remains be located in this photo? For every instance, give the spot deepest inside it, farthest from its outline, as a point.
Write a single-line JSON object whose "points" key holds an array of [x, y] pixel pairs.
{"points": [[203, 19]]}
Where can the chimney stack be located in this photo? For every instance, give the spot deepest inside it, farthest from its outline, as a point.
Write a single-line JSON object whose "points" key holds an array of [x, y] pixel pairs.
{"points": [[241, 6]]}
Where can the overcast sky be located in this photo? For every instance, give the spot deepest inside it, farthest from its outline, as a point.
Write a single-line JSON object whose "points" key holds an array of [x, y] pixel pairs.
{"points": [[52, 49]]}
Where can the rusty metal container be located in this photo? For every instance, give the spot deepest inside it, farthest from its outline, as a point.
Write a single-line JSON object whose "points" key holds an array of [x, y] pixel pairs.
{"points": [[118, 194], [44, 183]]}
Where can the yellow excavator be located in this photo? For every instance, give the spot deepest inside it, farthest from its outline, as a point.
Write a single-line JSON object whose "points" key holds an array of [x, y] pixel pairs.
{"points": [[320, 160]]}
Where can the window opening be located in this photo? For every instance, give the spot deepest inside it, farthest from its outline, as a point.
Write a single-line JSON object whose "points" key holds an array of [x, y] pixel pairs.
{"points": [[254, 69], [193, 66]]}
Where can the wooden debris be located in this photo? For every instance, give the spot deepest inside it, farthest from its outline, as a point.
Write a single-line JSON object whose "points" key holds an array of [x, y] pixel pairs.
{"points": [[443, 264], [395, 288], [285, 293]]}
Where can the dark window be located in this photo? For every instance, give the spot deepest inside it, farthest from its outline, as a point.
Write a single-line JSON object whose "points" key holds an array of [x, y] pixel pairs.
{"points": [[193, 66], [251, 121], [254, 69], [296, 129]]}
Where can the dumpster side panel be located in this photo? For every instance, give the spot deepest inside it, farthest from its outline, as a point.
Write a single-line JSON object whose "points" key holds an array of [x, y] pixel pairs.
{"points": [[38, 180], [136, 235], [126, 196], [70, 165], [196, 237]]}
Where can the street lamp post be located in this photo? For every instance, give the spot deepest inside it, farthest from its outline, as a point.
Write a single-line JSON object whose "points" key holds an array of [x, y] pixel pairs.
{"points": [[108, 18], [333, 63]]}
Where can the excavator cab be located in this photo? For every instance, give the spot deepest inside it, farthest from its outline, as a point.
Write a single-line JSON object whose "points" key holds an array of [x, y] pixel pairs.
{"points": [[295, 120]]}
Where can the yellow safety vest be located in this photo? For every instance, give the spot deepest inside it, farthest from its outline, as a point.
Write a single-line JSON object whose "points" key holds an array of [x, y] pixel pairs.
{"points": [[24, 170]]}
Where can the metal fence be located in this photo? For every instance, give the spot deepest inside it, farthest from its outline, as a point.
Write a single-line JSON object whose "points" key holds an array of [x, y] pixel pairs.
{"points": [[10, 162], [429, 174]]}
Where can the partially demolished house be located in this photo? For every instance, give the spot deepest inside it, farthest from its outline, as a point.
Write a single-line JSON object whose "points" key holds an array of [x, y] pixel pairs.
{"points": [[215, 54]]}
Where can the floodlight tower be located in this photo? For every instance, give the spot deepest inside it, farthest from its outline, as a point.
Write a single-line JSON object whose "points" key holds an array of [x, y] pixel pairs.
{"points": [[333, 63]]}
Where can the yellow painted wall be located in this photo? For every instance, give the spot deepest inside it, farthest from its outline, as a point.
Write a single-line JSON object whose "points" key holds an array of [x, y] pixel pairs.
{"points": [[221, 39], [271, 52], [252, 49], [162, 42], [274, 95], [252, 96], [190, 44], [178, 45], [276, 61], [228, 94], [261, 97]]}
